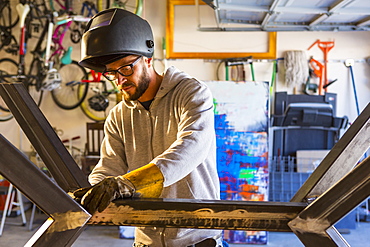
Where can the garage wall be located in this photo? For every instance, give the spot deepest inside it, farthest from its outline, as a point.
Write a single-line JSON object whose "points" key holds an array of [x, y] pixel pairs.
{"points": [[347, 45]]}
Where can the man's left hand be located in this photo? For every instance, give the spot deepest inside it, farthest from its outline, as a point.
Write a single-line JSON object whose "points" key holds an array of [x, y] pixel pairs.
{"points": [[100, 195]]}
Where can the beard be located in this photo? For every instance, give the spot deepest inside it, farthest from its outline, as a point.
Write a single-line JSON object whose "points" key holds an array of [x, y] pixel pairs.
{"points": [[139, 89]]}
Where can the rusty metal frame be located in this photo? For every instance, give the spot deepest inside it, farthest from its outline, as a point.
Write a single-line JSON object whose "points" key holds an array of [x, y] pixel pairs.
{"points": [[330, 206], [338, 162], [211, 214], [42, 136], [312, 223], [67, 218]]}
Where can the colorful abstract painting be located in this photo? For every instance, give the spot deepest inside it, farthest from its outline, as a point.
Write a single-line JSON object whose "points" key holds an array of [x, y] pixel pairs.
{"points": [[241, 123]]}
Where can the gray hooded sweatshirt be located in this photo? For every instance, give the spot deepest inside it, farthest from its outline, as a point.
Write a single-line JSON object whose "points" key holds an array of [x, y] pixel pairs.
{"points": [[177, 134]]}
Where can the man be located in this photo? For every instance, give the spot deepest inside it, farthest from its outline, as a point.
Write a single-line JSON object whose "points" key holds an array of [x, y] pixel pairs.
{"points": [[159, 141]]}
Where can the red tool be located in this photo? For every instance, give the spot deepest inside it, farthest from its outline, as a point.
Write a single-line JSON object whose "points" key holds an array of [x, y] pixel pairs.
{"points": [[318, 69], [325, 48]]}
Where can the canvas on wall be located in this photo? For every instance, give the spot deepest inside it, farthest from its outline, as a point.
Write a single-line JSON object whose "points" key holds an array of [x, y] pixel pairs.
{"points": [[241, 123]]}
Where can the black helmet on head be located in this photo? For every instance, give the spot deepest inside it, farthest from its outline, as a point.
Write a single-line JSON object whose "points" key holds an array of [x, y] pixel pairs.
{"points": [[112, 34]]}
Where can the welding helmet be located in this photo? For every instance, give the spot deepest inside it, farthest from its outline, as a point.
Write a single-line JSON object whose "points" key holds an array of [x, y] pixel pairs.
{"points": [[112, 34]]}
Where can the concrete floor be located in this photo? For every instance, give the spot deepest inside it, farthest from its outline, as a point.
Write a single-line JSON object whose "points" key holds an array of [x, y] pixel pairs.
{"points": [[16, 235]]}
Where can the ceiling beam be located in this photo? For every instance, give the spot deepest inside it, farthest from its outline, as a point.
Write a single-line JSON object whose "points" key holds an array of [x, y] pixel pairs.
{"points": [[340, 4], [318, 19], [298, 10], [364, 22], [270, 13]]}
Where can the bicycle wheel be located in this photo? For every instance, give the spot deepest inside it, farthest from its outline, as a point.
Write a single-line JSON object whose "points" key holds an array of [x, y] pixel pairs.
{"points": [[7, 67], [100, 99], [36, 75], [5, 113], [67, 96], [8, 16], [134, 6]]}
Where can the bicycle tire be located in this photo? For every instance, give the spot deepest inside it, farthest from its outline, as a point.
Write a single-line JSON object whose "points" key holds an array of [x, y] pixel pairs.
{"points": [[5, 113], [67, 96], [134, 6], [8, 17], [7, 67], [110, 91]]}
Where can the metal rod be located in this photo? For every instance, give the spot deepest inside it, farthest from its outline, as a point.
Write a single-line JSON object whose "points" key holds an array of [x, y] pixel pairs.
{"points": [[187, 213], [68, 218], [42, 136]]}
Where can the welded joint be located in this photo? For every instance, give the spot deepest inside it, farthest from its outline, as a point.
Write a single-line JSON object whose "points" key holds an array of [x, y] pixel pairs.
{"points": [[68, 221], [309, 225]]}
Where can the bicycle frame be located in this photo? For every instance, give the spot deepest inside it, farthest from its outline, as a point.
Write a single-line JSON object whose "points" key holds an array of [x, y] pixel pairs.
{"points": [[58, 37], [89, 7], [95, 75], [67, 7]]}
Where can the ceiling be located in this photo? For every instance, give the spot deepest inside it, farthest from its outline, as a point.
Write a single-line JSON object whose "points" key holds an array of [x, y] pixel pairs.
{"points": [[290, 15]]}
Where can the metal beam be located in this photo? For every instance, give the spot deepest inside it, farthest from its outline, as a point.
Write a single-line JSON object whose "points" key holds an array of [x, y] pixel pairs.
{"points": [[363, 22], [67, 218], [340, 160], [339, 5], [211, 214], [289, 9], [42, 136], [312, 223], [318, 19], [269, 14]]}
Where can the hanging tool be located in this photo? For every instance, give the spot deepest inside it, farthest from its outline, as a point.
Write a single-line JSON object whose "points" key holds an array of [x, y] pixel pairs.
{"points": [[349, 63], [296, 69], [239, 63], [325, 47], [273, 77], [317, 70]]}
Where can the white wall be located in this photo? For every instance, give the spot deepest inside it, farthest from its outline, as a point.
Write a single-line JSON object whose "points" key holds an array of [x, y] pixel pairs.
{"points": [[347, 45]]}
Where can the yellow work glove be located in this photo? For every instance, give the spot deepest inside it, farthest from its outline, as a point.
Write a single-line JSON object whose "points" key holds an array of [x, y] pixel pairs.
{"points": [[146, 181]]}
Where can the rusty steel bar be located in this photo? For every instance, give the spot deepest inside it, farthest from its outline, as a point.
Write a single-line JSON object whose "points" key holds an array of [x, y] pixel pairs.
{"points": [[312, 223], [67, 218], [212, 214], [42, 136]]}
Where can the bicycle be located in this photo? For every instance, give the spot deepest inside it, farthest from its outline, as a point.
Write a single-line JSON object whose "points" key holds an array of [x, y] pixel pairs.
{"points": [[88, 9], [63, 8], [10, 70], [47, 72], [69, 93], [95, 97], [102, 96], [56, 72]]}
